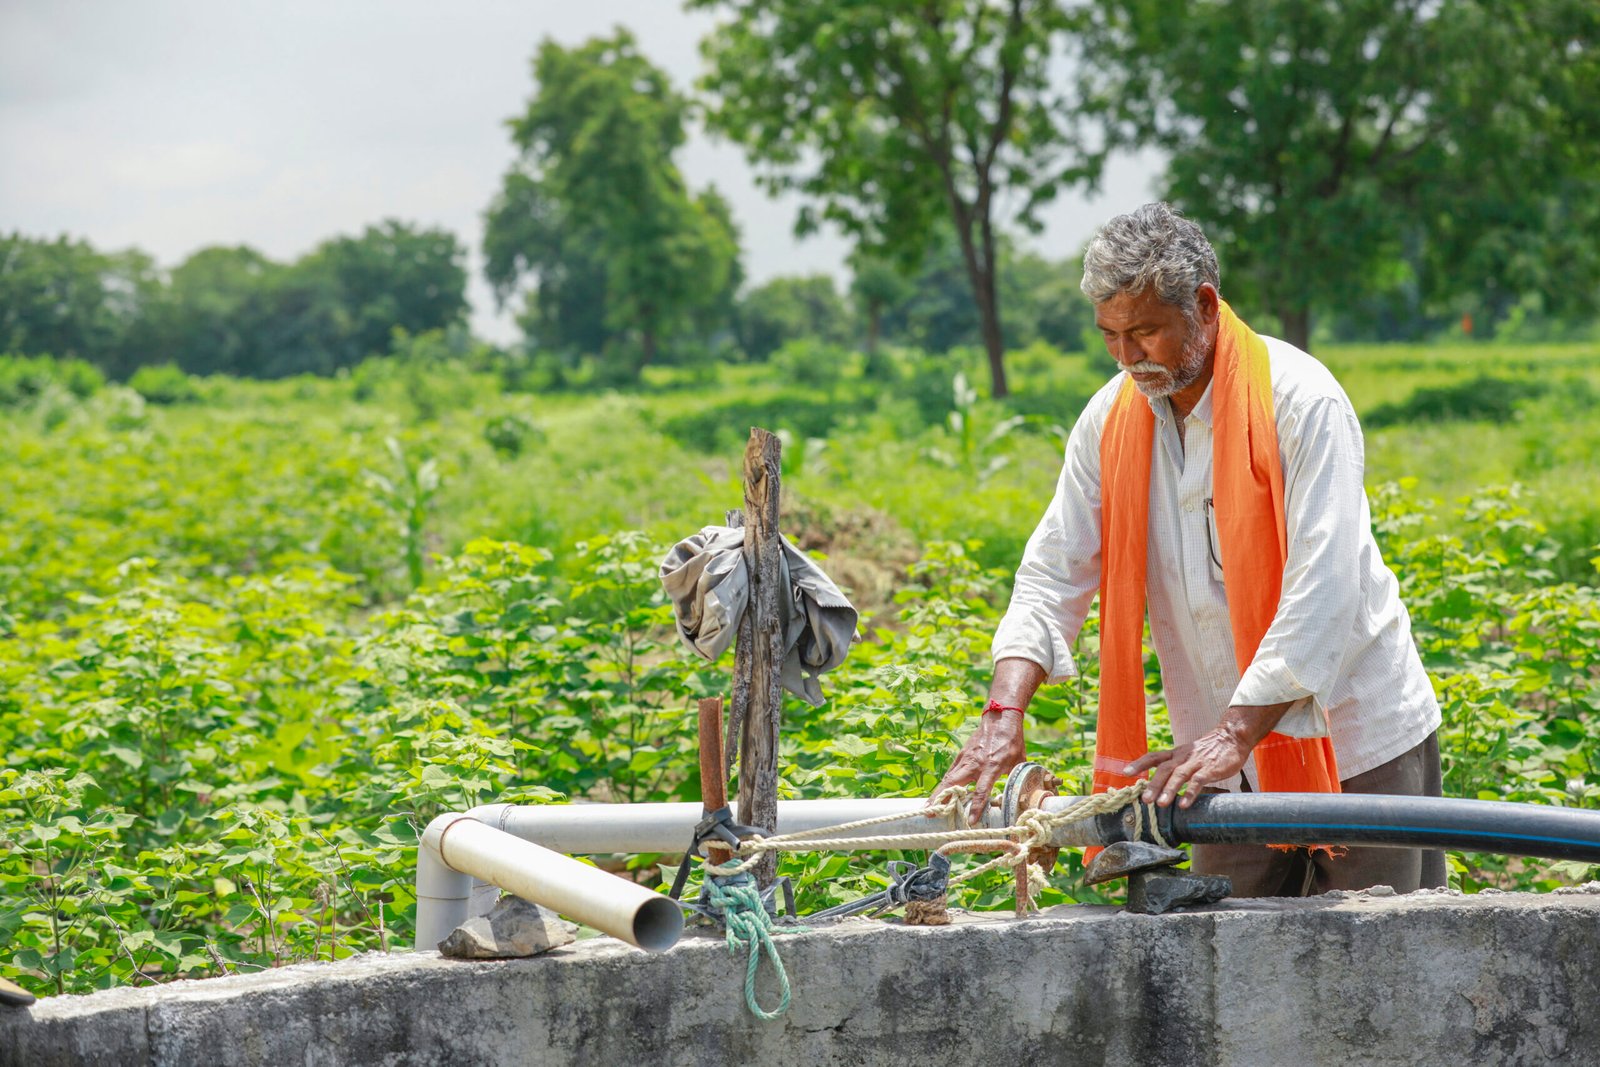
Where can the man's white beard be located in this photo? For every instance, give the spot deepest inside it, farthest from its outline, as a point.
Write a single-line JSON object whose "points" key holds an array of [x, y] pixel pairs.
{"points": [[1191, 364]]}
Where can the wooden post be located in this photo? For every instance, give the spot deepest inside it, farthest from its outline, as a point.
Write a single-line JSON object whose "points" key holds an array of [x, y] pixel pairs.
{"points": [[741, 677], [758, 661], [713, 772]]}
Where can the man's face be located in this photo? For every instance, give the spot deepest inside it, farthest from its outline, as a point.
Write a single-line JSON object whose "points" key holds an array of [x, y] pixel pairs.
{"points": [[1163, 350]]}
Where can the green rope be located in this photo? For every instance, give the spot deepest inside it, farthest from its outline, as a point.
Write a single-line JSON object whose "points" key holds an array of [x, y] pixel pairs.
{"points": [[749, 926]]}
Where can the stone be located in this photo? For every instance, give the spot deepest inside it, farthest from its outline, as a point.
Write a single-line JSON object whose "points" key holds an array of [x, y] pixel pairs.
{"points": [[1158, 892], [512, 928]]}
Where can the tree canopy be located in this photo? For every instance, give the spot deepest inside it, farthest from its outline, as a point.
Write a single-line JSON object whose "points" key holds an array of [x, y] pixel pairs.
{"points": [[64, 298], [595, 212], [392, 276], [230, 310], [894, 119], [787, 308], [1337, 148]]}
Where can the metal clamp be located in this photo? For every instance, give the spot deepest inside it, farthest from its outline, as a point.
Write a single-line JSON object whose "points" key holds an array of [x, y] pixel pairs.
{"points": [[907, 882], [717, 825]]}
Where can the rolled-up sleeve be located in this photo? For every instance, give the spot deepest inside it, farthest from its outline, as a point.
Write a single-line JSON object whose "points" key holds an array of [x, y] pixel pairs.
{"points": [[1299, 658], [1060, 570]]}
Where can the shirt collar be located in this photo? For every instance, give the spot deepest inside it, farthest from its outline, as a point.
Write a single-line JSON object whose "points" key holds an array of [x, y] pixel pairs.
{"points": [[1202, 409]]}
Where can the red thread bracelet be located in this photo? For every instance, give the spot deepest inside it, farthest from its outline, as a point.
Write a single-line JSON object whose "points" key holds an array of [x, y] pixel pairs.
{"points": [[995, 705]]}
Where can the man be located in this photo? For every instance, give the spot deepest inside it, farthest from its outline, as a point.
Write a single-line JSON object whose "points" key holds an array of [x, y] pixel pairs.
{"points": [[1218, 482]]}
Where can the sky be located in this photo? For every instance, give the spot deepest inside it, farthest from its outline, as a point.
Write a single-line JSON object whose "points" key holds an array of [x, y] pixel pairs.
{"points": [[171, 125]]}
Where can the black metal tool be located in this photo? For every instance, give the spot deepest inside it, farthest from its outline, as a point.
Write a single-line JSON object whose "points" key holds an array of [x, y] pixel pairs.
{"points": [[1155, 884], [14, 996], [907, 882], [719, 826]]}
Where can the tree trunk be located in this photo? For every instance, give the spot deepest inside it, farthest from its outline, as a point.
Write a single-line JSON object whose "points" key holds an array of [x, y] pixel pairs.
{"points": [[874, 325], [981, 275], [993, 340], [1297, 327], [647, 343]]}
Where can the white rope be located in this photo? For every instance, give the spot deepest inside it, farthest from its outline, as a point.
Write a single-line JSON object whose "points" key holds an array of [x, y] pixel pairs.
{"points": [[1033, 829]]}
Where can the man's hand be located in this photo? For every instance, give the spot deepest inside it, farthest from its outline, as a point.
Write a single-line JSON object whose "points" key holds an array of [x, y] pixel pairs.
{"points": [[1213, 757], [996, 746]]}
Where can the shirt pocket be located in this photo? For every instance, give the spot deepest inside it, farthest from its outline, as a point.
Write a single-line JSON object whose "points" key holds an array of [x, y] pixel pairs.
{"points": [[1213, 542]]}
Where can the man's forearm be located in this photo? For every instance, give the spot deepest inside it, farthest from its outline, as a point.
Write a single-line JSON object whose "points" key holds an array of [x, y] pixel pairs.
{"points": [[1015, 681], [1249, 724]]}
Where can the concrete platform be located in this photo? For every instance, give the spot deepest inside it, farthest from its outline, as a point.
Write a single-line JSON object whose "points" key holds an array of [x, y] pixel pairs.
{"points": [[1342, 980]]}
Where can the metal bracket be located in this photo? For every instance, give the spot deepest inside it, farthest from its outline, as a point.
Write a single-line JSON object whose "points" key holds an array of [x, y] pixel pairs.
{"points": [[719, 825]]}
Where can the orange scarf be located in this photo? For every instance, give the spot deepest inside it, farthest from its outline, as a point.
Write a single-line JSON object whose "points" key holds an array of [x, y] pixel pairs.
{"points": [[1247, 485]]}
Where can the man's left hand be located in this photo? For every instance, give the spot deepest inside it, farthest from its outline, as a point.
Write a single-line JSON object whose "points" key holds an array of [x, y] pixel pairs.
{"points": [[1213, 757]]}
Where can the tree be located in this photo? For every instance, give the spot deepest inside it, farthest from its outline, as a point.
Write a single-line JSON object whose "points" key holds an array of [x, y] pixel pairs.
{"points": [[234, 311], [787, 308], [716, 318], [935, 312], [64, 298], [526, 235], [896, 116], [876, 284], [595, 211], [1315, 139], [394, 274], [214, 308]]}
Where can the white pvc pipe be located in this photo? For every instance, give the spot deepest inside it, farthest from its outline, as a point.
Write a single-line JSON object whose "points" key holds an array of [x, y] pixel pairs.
{"points": [[455, 883], [442, 896], [455, 848], [587, 829]]}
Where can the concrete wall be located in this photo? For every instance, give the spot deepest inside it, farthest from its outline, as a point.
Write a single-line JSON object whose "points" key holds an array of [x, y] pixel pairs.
{"points": [[1343, 980]]}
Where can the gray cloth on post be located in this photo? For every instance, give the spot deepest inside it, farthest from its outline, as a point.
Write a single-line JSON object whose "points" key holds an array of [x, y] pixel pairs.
{"points": [[709, 586]]}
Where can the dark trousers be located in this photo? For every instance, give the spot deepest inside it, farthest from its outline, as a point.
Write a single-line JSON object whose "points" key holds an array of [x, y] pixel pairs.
{"points": [[1263, 871]]}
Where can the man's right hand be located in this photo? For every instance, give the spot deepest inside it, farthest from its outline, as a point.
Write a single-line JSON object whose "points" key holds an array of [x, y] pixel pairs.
{"points": [[995, 747]]}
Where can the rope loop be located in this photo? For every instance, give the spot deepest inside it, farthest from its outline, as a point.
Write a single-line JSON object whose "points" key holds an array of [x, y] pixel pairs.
{"points": [[749, 927]]}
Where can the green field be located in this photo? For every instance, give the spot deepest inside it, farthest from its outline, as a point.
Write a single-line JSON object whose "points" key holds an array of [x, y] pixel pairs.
{"points": [[254, 635]]}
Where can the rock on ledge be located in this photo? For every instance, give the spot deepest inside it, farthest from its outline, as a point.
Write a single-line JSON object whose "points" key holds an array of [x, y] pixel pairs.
{"points": [[1340, 979]]}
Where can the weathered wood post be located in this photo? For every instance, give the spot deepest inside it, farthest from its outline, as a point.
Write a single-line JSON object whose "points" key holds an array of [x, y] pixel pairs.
{"points": [[758, 657]]}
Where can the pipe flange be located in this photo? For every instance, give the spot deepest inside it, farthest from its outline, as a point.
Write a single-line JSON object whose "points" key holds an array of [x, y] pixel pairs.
{"points": [[1026, 788]]}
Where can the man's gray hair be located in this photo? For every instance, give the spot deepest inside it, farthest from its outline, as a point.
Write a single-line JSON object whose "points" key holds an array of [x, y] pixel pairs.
{"points": [[1153, 247]]}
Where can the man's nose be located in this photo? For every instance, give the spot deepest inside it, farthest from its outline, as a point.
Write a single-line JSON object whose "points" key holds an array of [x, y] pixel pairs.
{"points": [[1124, 351]]}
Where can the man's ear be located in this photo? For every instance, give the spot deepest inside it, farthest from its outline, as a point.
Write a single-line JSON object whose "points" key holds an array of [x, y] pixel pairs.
{"points": [[1208, 302]]}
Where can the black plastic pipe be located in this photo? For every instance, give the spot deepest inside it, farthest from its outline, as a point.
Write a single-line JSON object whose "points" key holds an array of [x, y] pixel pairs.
{"points": [[1376, 819]]}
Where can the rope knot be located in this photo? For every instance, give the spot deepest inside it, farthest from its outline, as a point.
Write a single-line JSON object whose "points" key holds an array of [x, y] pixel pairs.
{"points": [[749, 927], [951, 800]]}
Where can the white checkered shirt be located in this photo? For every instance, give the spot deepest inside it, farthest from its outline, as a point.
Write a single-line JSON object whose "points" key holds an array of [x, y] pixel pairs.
{"points": [[1340, 645]]}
